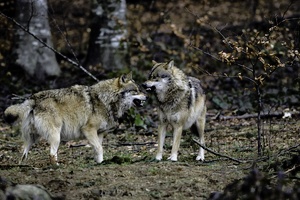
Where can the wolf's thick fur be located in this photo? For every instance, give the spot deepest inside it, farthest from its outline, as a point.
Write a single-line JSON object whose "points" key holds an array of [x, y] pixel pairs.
{"points": [[75, 112], [181, 104]]}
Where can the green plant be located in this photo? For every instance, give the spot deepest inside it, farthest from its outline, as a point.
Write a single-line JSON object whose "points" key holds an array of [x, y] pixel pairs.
{"points": [[134, 118]]}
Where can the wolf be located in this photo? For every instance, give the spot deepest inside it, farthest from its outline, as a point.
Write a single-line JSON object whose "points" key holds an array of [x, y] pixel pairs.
{"points": [[181, 104], [76, 112]]}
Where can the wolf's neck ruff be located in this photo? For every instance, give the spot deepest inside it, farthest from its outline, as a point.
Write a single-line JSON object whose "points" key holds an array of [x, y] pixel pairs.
{"points": [[172, 96], [177, 88]]}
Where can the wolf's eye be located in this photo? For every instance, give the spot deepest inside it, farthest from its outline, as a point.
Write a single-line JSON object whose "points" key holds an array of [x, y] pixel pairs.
{"points": [[164, 76], [134, 92]]}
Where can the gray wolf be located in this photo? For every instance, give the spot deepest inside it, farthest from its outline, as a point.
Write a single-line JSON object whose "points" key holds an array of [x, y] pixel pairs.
{"points": [[181, 104], [75, 112]]}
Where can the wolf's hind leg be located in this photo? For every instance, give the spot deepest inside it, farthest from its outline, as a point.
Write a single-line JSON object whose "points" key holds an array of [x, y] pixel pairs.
{"points": [[200, 125], [161, 141]]}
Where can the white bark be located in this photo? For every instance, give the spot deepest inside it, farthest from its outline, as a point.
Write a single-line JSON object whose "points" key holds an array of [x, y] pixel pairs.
{"points": [[107, 45], [35, 59]]}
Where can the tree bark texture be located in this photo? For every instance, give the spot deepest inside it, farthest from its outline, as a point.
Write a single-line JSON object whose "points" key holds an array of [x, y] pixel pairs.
{"points": [[32, 56], [107, 46]]}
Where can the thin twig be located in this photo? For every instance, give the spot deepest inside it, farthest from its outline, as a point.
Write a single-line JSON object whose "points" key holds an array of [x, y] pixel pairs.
{"points": [[18, 97], [65, 35], [78, 145], [218, 154], [49, 47], [217, 59], [31, 15], [287, 9], [287, 150], [6, 167], [133, 143]]}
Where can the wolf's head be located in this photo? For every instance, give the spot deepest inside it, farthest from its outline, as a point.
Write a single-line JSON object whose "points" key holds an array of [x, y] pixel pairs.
{"points": [[165, 76], [159, 77], [129, 94]]}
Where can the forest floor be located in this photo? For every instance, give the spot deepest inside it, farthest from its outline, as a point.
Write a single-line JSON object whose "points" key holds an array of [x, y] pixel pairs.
{"points": [[129, 170]]}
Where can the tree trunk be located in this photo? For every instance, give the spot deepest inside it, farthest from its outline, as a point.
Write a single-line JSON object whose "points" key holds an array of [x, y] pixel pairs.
{"points": [[33, 57], [107, 46]]}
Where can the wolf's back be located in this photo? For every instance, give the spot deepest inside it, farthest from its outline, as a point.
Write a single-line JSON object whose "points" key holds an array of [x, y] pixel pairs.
{"points": [[18, 112]]}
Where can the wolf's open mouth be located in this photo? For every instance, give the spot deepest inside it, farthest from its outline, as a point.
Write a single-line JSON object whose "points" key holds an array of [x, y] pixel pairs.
{"points": [[138, 102], [150, 89]]}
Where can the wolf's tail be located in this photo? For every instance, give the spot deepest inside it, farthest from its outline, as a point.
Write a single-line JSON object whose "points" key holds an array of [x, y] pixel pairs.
{"points": [[23, 113], [18, 112]]}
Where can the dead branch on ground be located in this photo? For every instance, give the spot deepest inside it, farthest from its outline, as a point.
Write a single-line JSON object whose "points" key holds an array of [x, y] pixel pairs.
{"points": [[218, 154], [283, 114]]}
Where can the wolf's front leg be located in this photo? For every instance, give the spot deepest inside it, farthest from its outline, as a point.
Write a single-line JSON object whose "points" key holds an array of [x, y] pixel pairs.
{"points": [[54, 140], [95, 141], [177, 132], [99, 153], [161, 141]]}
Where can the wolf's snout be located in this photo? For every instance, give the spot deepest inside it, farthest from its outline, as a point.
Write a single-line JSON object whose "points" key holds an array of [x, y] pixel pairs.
{"points": [[144, 85], [148, 88]]}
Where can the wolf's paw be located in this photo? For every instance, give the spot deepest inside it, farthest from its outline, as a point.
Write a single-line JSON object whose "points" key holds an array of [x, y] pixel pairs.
{"points": [[53, 160], [158, 157], [99, 159], [173, 157], [200, 158]]}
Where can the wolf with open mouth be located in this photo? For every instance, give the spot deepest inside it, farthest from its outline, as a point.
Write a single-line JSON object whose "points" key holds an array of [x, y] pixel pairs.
{"points": [[75, 112]]}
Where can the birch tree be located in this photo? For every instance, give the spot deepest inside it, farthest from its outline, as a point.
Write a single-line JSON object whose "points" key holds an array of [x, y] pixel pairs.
{"points": [[107, 46], [32, 56]]}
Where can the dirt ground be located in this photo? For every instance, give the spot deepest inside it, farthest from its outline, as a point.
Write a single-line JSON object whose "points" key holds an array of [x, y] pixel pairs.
{"points": [[129, 170]]}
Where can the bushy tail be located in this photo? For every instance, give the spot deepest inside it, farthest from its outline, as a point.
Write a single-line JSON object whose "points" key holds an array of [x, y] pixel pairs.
{"points": [[23, 113], [18, 112]]}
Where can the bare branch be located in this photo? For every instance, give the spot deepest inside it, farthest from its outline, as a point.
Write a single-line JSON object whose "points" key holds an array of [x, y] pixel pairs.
{"points": [[248, 116], [206, 53], [65, 35], [218, 154], [287, 9], [46, 45], [135, 143], [31, 15], [224, 38]]}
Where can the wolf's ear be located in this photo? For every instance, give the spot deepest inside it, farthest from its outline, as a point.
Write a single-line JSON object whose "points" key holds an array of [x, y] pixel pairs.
{"points": [[170, 64], [129, 76], [154, 62], [125, 78]]}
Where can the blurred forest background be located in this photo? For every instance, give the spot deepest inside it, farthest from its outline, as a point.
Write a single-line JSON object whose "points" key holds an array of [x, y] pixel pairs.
{"points": [[206, 39], [246, 53]]}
